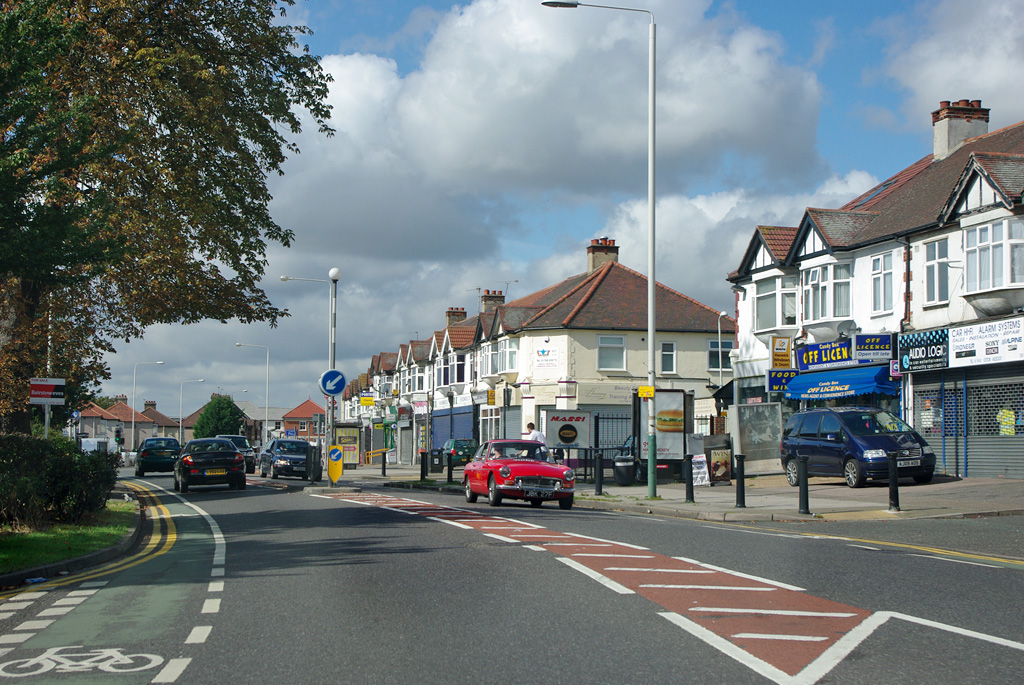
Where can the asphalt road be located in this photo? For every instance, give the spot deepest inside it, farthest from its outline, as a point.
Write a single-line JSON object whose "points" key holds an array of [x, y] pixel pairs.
{"points": [[274, 585]]}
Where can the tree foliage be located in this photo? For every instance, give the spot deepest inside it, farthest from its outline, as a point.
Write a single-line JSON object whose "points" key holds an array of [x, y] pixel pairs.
{"points": [[136, 137], [220, 416]]}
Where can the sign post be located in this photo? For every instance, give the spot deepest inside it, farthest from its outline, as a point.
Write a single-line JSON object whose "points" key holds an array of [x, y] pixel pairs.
{"points": [[331, 384], [46, 391]]}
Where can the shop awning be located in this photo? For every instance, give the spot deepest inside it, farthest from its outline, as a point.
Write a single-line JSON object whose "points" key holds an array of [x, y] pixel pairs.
{"points": [[854, 380]]}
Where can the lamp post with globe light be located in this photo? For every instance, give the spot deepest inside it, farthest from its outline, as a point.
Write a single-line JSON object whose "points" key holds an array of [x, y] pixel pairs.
{"points": [[652, 487]]}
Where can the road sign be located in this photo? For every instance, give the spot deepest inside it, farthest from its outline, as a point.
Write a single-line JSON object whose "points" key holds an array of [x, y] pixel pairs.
{"points": [[332, 382], [46, 391]]}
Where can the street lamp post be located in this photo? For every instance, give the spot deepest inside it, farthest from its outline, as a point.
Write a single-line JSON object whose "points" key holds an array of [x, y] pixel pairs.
{"points": [[134, 370], [332, 323], [266, 405], [720, 315], [652, 451], [181, 418]]}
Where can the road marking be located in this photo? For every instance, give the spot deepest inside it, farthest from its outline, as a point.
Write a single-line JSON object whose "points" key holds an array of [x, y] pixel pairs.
{"points": [[96, 583], [82, 593], [451, 522], [16, 606], [217, 572], [70, 601], [712, 587], [15, 639], [728, 648], [6, 615], [590, 573], [612, 556], [502, 539], [172, 671], [55, 611], [955, 561], [211, 606], [216, 586], [738, 574], [873, 549], [773, 612], [769, 636], [657, 570], [198, 635], [33, 625], [579, 544]]}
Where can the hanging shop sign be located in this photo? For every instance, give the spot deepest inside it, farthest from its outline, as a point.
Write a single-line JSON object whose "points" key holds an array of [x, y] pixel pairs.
{"points": [[923, 351], [992, 342], [776, 380], [826, 355], [781, 348], [876, 347]]}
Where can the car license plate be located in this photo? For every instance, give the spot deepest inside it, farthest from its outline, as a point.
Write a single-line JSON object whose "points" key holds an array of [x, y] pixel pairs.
{"points": [[908, 462], [535, 493], [216, 472]]}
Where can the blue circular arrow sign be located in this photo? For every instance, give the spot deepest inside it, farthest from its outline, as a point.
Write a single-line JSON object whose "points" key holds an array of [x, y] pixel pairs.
{"points": [[332, 382], [334, 454]]}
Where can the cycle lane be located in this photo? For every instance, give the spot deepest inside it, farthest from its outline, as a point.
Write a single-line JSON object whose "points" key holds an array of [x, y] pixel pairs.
{"points": [[140, 605], [777, 630]]}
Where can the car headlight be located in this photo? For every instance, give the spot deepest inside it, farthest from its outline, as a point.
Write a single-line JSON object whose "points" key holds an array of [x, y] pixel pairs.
{"points": [[874, 454], [281, 462], [504, 472], [569, 475], [927, 449]]}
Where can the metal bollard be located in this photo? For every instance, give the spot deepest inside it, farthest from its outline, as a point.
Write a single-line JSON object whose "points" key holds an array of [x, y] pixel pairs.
{"points": [[801, 474], [384, 463], [741, 493], [894, 484], [450, 467], [423, 464], [598, 474], [688, 476]]}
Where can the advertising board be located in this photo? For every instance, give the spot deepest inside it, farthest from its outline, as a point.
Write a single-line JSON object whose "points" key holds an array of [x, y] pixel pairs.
{"points": [[568, 429]]}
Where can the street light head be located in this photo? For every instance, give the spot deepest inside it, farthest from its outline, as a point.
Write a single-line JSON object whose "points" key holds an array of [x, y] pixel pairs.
{"points": [[159, 362], [334, 274], [567, 5], [722, 314], [286, 278], [201, 380], [238, 344]]}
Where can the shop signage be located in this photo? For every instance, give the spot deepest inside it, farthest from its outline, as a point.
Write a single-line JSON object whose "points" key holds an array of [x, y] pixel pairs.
{"points": [[46, 391], [991, 342], [876, 347], [546, 358], [776, 380], [780, 352], [924, 350], [568, 430], [826, 355]]}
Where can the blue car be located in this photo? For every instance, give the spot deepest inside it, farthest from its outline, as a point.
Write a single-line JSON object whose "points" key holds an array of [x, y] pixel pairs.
{"points": [[284, 457], [855, 443]]}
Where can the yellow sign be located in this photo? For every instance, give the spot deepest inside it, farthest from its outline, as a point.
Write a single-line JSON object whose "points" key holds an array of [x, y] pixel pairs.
{"points": [[490, 398], [645, 391], [366, 399], [780, 352]]}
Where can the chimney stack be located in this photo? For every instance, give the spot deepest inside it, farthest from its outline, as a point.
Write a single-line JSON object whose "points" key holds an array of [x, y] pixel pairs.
{"points": [[121, 398], [454, 315], [150, 404], [491, 299], [600, 252], [955, 123]]}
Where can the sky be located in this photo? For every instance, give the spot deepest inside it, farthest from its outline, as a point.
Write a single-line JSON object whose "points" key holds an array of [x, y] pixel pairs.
{"points": [[482, 145]]}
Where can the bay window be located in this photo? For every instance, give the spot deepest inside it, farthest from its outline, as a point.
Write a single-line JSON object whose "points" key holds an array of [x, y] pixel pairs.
{"points": [[775, 302], [994, 255]]}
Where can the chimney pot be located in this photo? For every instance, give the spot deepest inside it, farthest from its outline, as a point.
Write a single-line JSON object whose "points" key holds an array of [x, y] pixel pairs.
{"points": [[600, 252], [953, 124]]}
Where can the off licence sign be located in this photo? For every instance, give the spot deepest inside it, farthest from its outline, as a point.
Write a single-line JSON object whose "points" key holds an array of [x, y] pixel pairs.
{"points": [[46, 391]]}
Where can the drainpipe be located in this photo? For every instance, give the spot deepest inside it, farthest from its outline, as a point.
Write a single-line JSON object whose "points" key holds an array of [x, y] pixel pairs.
{"points": [[905, 321]]}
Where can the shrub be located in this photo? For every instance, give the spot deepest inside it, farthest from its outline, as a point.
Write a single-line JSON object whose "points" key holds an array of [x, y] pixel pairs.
{"points": [[43, 480]]}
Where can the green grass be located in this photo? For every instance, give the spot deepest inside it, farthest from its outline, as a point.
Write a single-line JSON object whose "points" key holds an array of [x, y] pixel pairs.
{"points": [[23, 548]]}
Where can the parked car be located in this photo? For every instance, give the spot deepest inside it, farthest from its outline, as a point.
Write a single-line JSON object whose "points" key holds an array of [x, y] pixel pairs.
{"points": [[156, 454], [460, 450], [209, 461], [242, 443], [284, 457], [855, 443], [518, 469]]}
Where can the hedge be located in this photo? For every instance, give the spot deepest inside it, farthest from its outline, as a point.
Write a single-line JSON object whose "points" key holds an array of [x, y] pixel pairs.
{"points": [[51, 480]]}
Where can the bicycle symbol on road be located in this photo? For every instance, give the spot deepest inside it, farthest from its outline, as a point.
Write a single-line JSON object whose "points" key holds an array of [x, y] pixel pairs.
{"points": [[109, 660]]}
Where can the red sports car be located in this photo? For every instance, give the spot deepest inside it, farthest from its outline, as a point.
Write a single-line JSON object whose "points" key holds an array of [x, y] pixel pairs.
{"points": [[519, 469]]}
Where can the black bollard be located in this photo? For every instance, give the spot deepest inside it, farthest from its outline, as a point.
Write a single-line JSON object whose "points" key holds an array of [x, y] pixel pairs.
{"points": [[384, 463], [894, 484], [423, 464], [450, 466], [741, 493], [801, 474], [688, 476], [598, 473]]}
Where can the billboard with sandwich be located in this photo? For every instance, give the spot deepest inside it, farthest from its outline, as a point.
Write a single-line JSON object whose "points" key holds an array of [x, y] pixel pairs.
{"points": [[673, 419]]}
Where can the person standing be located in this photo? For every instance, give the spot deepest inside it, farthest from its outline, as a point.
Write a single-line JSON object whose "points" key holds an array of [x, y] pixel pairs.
{"points": [[535, 434]]}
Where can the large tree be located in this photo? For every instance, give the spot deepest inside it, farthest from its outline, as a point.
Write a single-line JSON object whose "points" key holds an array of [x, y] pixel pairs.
{"points": [[136, 137]]}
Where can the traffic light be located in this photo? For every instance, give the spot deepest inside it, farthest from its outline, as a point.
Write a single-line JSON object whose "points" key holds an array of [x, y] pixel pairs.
{"points": [[118, 435]]}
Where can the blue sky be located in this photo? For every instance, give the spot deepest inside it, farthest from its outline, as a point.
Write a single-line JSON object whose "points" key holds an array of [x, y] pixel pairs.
{"points": [[481, 145]]}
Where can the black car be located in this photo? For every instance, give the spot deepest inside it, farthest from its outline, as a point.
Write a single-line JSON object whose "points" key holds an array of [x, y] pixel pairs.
{"points": [[284, 457], [209, 461], [855, 443], [242, 443], [156, 454]]}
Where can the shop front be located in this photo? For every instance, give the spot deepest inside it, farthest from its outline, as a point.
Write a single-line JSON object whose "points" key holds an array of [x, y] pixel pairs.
{"points": [[861, 385]]}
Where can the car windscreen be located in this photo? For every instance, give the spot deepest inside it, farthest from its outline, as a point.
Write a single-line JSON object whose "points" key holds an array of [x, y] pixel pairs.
{"points": [[240, 442], [162, 444], [874, 423], [298, 448], [512, 450], [212, 446]]}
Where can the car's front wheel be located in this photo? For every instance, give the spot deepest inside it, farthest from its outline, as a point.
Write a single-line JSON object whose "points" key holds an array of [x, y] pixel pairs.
{"points": [[536, 502], [923, 478], [273, 473], [493, 496], [470, 495], [792, 475], [854, 474], [139, 473], [565, 502]]}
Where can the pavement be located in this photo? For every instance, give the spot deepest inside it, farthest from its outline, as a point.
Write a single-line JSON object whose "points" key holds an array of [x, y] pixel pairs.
{"points": [[767, 497]]}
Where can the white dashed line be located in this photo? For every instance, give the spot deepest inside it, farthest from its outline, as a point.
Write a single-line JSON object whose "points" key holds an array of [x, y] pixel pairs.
{"points": [[658, 570], [33, 625], [56, 611], [590, 573], [713, 587], [15, 639], [198, 635], [172, 671], [74, 601], [211, 606], [769, 636], [216, 586], [774, 612]]}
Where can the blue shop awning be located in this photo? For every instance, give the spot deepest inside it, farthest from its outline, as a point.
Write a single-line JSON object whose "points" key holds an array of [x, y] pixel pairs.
{"points": [[846, 382]]}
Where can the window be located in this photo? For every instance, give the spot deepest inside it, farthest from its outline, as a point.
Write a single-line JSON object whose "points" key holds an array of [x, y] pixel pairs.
{"points": [[993, 252], [936, 271], [456, 371], [775, 301], [830, 425], [302, 425], [881, 283], [611, 352], [668, 357], [841, 274], [508, 352], [713, 354], [815, 285]]}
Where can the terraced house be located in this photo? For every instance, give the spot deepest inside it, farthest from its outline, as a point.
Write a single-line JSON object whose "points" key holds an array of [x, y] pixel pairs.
{"points": [[580, 344], [909, 297]]}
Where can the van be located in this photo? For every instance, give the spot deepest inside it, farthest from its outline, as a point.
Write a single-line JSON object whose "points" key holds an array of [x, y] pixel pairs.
{"points": [[855, 443]]}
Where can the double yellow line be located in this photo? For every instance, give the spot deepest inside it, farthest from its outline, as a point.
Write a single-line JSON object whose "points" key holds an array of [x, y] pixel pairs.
{"points": [[160, 541]]}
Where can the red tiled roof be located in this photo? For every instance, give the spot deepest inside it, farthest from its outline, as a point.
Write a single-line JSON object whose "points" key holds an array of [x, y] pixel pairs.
{"points": [[778, 240], [94, 410], [304, 411], [122, 412]]}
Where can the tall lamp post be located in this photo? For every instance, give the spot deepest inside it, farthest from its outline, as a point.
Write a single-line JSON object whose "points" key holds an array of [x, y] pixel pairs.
{"points": [[332, 323], [134, 370], [652, 449], [181, 418], [266, 406], [720, 315]]}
